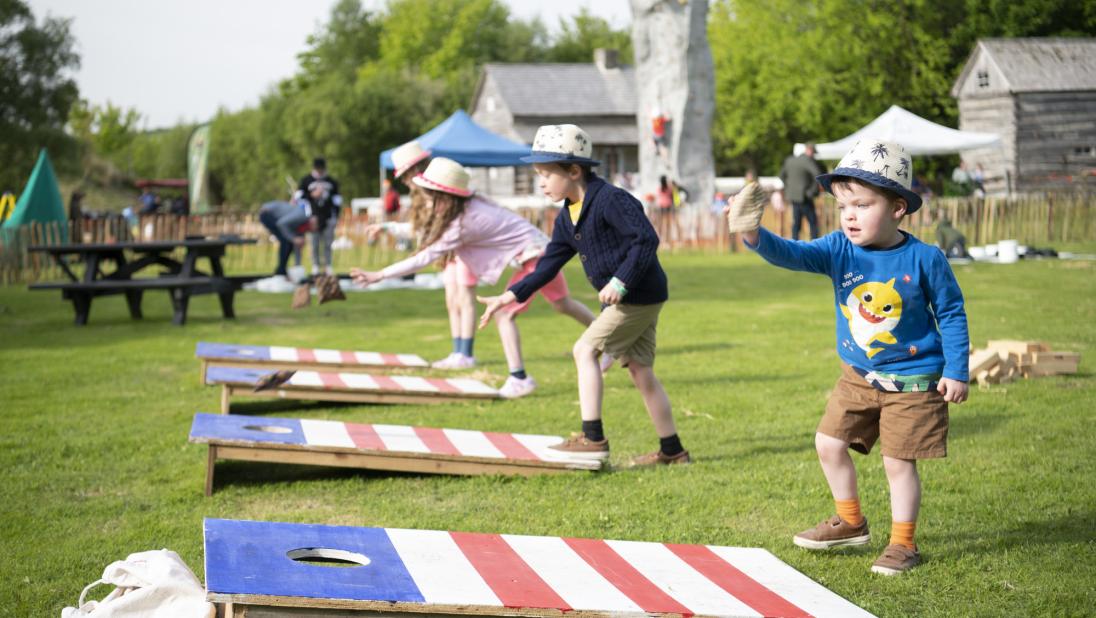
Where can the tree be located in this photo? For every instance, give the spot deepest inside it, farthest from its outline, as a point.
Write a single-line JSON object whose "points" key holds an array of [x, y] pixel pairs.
{"points": [[36, 89], [585, 32]]}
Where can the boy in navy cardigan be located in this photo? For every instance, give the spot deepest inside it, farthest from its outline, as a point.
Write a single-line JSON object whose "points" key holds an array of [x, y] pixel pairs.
{"points": [[606, 227]]}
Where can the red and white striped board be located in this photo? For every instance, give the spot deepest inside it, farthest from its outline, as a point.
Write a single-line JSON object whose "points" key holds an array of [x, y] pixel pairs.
{"points": [[281, 357], [256, 566], [350, 387], [380, 447]]}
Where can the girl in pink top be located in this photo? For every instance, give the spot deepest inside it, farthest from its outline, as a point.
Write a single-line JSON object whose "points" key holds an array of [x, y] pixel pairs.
{"points": [[487, 238]]}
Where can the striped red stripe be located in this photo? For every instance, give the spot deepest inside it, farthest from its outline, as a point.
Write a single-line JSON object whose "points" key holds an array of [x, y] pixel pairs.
{"points": [[625, 578], [509, 446], [391, 359], [386, 383], [443, 385], [331, 380], [348, 358], [436, 441], [364, 436], [513, 581], [735, 582], [305, 355]]}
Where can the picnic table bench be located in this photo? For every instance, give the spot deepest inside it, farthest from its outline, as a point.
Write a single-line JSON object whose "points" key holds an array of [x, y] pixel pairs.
{"points": [[180, 279]]}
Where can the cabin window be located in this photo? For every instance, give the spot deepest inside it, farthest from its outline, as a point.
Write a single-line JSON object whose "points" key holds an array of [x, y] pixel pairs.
{"points": [[983, 79]]}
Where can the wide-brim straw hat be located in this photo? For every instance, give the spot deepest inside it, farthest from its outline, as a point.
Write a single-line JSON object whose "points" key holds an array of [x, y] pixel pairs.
{"points": [[562, 143], [880, 163], [445, 175], [406, 156]]}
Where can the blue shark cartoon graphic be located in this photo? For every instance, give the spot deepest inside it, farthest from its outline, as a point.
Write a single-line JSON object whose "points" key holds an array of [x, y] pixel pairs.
{"points": [[873, 310]]}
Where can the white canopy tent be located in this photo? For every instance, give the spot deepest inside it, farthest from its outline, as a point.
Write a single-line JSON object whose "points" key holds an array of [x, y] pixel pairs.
{"points": [[919, 136]]}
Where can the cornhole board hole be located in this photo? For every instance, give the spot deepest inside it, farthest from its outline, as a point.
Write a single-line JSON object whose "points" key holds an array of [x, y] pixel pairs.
{"points": [[349, 387], [266, 570], [279, 357], [379, 447]]}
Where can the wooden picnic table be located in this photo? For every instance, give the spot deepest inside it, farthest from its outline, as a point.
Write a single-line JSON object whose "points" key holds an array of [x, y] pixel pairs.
{"points": [[181, 279]]}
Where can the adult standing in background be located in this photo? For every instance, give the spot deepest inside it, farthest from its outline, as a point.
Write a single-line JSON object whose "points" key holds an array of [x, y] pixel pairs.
{"points": [[321, 193], [800, 188]]}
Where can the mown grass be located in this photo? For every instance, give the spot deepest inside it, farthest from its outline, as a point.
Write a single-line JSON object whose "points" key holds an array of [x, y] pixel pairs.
{"points": [[97, 465]]}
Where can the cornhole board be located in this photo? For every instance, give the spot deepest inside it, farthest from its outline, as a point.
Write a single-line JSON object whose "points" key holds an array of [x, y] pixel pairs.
{"points": [[279, 357], [256, 567], [379, 447], [351, 387]]}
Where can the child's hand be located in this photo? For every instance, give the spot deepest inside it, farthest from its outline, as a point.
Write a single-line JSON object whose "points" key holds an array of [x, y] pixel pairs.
{"points": [[494, 303], [364, 278], [953, 391], [372, 231], [609, 295]]}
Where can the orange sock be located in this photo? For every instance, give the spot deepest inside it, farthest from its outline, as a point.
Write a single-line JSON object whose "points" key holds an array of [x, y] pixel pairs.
{"points": [[902, 533], [849, 511]]}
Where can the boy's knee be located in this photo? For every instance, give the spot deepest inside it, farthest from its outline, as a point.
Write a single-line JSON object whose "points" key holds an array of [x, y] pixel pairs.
{"points": [[829, 448], [583, 350]]}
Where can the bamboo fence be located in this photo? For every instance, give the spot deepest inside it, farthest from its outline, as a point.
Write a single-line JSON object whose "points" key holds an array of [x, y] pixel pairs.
{"points": [[1032, 220]]}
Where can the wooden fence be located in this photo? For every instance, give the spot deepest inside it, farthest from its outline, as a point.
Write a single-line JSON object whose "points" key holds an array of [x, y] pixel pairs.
{"points": [[1037, 220]]}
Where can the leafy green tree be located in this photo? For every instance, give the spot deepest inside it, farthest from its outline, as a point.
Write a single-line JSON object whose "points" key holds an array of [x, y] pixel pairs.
{"points": [[585, 32], [36, 90]]}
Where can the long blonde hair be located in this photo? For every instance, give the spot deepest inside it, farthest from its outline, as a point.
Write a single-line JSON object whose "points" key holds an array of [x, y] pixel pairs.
{"points": [[447, 208]]}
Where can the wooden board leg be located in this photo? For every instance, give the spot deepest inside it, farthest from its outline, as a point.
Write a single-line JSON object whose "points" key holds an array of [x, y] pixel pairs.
{"points": [[81, 302], [133, 300], [203, 365], [179, 300], [226, 392], [210, 462]]}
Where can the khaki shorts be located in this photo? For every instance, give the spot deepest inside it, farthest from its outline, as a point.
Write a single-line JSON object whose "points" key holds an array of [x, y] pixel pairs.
{"points": [[627, 332], [911, 425]]}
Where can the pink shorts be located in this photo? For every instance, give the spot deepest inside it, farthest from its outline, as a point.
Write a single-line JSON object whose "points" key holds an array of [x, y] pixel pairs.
{"points": [[556, 289], [457, 272]]}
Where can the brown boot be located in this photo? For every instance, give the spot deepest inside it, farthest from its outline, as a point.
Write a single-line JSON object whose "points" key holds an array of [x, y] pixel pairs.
{"points": [[896, 559], [579, 444], [657, 458], [833, 532], [272, 380]]}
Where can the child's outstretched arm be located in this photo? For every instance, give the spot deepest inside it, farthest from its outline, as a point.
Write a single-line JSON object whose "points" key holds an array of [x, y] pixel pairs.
{"points": [[450, 240]]}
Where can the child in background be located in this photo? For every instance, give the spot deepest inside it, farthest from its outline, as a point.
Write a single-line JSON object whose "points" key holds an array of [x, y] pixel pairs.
{"points": [[488, 238], [606, 227], [901, 336]]}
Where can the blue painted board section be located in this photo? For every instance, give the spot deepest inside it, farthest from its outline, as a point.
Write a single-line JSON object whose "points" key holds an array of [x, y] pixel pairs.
{"points": [[234, 375], [249, 557], [229, 350], [234, 427]]}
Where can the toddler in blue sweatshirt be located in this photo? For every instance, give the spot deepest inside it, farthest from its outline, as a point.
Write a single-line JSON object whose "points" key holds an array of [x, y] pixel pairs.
{"points": [[901, 336]]}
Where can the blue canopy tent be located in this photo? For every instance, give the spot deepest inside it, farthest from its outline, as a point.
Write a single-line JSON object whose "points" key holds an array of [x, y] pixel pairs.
{"points": [[459, 138]]}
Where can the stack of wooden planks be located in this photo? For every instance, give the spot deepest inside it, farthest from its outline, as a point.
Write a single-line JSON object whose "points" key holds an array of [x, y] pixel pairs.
{"points": [[1004, 360]]}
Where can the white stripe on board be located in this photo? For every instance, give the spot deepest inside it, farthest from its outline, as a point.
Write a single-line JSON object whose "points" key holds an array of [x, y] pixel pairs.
{"points": [[539, 445], [679, 580], [279, 353], [411, 360], [440, 569], [369, 358], [400, 438], [305, 378], [472, 443], [363, 381], [569, 574], [414, 383], [795, 587], [327, 356], [326, 433], [468, 385]]}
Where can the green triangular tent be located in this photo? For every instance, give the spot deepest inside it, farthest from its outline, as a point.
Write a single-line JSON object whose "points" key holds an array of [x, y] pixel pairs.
{"points": [[41, 199]]}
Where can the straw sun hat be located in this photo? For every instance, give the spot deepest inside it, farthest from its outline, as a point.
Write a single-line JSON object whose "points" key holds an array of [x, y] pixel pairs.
{"points": [[406, 156], [445, 175], [561, 143]]}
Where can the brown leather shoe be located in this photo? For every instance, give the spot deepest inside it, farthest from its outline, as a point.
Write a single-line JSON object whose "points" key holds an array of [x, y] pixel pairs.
{"points": [[579, 444], [833, 532], [896, 559], [272, 380], [657, 458]]}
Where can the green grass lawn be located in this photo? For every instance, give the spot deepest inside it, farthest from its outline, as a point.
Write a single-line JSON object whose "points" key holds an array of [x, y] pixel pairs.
{"points": [[93, 441]]}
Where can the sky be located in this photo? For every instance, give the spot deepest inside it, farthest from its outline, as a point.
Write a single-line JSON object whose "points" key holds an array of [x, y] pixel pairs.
{"points": [[182, 60]]}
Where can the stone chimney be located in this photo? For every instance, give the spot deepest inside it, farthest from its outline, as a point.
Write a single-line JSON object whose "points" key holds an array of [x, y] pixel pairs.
{"points": [[606, 59]]}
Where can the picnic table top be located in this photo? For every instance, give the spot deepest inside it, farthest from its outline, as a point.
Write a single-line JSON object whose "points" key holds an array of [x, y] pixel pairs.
{"points": [[142, 246]]}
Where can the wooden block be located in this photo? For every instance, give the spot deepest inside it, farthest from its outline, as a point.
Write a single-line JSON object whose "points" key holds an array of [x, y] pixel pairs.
{"points": [[1054, 363], [983, 360], [982, 377], [380, 447], [349, 387], [280, 357], [1012, 346], [275, 569]]}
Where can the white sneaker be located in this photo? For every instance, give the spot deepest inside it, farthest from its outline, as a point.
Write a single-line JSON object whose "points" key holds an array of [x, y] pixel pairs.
{"points": [[455, 361], [606, 362], [516, 387]]}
